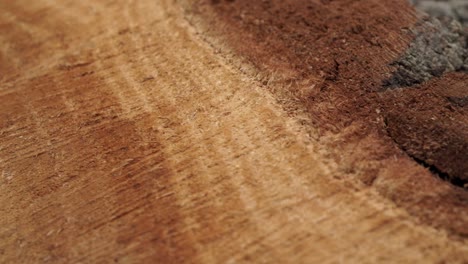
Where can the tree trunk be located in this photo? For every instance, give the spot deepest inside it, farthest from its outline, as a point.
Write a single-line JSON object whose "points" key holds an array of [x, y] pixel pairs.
{"points": [[227, 131]]}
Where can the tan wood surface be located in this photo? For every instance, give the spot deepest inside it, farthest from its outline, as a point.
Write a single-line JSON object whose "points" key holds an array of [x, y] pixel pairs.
{"points": [[125, 137]]}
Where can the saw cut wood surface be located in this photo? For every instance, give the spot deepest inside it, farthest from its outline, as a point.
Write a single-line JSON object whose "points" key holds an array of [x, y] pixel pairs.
{"points": [[232, 131]]}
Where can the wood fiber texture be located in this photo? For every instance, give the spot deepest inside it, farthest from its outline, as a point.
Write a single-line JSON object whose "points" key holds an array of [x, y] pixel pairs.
{"points": [[183, 131], [328, 62]]}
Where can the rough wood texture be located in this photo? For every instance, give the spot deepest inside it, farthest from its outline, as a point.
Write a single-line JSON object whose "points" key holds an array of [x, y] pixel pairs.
{"points": [[132, 132]]}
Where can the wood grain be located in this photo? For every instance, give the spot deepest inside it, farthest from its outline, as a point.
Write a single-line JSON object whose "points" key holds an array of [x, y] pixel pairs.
{"points": [[126, 137]]}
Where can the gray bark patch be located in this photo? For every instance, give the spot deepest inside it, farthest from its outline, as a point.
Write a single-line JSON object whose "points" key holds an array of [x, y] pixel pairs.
{"points": [[456, 9], [439, 46]]}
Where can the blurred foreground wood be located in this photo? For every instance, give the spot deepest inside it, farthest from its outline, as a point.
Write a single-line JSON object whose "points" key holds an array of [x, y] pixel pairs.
{"points": [[124, 137]]}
